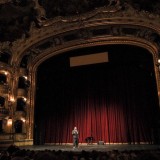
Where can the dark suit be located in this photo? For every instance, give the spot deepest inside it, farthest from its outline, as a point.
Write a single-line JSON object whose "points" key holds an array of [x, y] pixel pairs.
{"points": [[75, 137]]}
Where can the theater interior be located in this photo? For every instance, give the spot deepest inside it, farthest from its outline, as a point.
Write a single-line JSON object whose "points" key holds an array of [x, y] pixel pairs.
{"points": [[94, 64]]}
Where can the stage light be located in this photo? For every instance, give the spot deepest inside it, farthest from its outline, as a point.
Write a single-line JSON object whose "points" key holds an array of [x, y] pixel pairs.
{"points": [[6, 73], [159, 61], [9, 121], [25, 77], [23, 119], [24, 99], [11, 99]]}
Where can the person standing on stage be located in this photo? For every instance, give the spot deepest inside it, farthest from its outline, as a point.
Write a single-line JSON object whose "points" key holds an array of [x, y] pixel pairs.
{"points": [[75, 137]]}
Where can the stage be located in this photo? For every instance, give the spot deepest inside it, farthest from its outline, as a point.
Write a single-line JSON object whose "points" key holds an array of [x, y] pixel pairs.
{"points": [[93, 147]]}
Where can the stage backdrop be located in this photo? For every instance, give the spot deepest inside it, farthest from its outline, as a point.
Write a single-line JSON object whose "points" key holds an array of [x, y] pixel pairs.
{"points": [[115, 102]]}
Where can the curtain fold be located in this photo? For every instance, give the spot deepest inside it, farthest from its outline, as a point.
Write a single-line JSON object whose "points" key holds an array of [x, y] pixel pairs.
{"points": [[112, 103]]}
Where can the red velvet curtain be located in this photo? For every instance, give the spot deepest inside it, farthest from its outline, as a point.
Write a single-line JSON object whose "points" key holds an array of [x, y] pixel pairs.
{"points": [[112, 104]]}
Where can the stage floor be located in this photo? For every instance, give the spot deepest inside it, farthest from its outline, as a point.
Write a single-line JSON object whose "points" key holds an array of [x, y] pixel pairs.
{"points": [[96, 147]]}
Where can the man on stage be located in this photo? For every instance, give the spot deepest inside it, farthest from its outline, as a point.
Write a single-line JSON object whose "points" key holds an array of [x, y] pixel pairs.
{"points": [[75, 137]]}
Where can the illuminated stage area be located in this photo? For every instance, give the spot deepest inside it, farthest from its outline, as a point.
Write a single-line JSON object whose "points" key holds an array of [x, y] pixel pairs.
{"points": [[93, 147], [114, 101]]}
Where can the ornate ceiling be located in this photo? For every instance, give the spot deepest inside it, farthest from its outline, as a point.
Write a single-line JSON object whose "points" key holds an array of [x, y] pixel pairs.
{"points": [[17, 16]]}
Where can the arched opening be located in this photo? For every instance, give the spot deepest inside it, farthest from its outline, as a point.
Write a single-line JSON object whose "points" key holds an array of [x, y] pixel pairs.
{"points": [[116, 101], [2, 101], [23, 83], [24, 61], [18, 126], [21, 104], [3, 79]]}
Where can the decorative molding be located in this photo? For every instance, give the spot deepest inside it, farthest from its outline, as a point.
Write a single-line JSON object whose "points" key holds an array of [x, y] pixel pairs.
{"points": [[83, 35], [101, 16], [5, 1], [107, 12]]}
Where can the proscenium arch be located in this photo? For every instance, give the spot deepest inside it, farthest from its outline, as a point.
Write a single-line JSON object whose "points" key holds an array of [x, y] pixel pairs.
{"points": [[124, 27], [94, 42], [99, 42]]}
